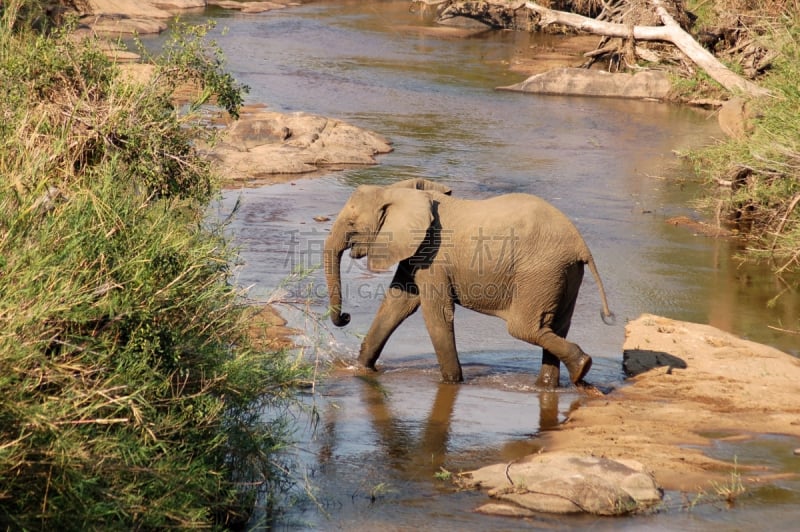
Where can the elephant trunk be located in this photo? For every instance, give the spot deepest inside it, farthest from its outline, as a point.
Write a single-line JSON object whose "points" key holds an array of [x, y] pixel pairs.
{"points": [[332, 257]]}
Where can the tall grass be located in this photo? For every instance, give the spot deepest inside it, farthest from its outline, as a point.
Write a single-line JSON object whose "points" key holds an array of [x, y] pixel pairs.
{"points": [[130, 395]]}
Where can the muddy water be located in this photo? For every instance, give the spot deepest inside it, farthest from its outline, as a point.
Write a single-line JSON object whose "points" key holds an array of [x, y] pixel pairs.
{"points": [[611, 165]]}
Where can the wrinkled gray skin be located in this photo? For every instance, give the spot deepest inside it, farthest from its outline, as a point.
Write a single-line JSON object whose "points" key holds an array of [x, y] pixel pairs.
{"points": [[513, 256]]}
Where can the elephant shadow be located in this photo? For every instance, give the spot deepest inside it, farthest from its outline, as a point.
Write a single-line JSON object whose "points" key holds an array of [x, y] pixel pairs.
{"points": [[638, 361]]}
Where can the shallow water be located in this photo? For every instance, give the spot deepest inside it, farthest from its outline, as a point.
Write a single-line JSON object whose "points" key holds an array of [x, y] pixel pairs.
{"points": [[608, 164]]}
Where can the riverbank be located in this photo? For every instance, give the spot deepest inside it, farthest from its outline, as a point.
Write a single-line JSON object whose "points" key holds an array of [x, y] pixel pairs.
{"points": [[132, 394]]}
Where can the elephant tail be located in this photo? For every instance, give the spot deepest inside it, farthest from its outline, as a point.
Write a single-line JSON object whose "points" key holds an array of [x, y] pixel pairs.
{"points": [[606, 315]]}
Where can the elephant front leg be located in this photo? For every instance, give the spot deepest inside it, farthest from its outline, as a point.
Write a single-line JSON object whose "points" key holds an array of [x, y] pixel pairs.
{"points": [[398, 305], [439, 321], [550, 372]]}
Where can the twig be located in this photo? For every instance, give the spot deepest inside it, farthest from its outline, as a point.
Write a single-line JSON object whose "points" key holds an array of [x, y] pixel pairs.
{"points": [[789, 262], [789, 331], [792, 205], [512, 462], [99, 421]]}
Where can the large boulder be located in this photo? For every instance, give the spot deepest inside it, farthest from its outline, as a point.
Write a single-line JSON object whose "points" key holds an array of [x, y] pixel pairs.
{"points": [[647, 84], [123, 17], [562, 482], [265, 143]]}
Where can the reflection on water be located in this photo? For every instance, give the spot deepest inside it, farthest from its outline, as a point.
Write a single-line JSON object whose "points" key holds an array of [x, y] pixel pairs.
{"points": [[382, 440], [608, 164]]}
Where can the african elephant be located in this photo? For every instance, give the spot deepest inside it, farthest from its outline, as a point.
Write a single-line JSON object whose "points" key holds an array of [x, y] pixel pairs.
{"points": [[513, 256]]}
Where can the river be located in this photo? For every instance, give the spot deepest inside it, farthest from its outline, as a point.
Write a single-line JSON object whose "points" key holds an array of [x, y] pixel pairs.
{"points": [[376, 443]]}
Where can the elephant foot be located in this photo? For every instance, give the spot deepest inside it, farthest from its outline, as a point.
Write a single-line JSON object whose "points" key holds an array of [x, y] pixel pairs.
{"points": [[579, 367], [453, 378], [367, 360], [548, 377], [370, 367]]}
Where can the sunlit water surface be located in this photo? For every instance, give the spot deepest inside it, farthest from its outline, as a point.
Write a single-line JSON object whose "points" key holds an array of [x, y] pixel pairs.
{"points": [[609, 164]]}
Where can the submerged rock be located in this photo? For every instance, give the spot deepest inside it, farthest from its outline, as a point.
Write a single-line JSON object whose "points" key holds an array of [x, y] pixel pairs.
{"points": [[562, 482]]}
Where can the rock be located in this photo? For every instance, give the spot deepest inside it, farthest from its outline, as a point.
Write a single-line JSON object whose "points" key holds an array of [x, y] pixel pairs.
{"points": [[247, 7], [264, 143], [125, 8], [667, 419], [465, 23], [113, 25], [121, 17], [267, 329], [647, 84], [178, 5], [504, 510], [733, 118], [563, 482]]}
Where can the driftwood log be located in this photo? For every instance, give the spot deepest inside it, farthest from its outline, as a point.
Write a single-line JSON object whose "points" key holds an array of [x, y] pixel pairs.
{"points": [[670, 32]]}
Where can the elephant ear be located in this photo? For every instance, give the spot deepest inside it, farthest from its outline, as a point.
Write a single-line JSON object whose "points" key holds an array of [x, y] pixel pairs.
{"points": [[405, 218], [422, 184]]}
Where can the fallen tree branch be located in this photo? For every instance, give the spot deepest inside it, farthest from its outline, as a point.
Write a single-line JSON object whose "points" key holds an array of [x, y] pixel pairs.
{"points": [[670, 32]]}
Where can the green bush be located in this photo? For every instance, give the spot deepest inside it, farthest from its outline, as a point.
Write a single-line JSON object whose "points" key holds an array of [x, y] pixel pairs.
{"points": [[130, 394]]}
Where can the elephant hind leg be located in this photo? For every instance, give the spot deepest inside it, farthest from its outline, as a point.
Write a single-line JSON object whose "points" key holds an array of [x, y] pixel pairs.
{"points": [[550, 371], [577, 362], [549, 329]]}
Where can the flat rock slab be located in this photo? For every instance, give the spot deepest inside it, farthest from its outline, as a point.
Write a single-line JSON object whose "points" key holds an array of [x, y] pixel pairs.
{"points": [[647, 84], [563, 482]]}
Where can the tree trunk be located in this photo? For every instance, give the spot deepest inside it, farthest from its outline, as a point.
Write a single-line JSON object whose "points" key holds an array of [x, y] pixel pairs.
{"points": [[669, 32]]}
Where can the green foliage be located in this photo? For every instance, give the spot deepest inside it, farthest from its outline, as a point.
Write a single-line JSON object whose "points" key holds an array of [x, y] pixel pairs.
{"points": [[23, 14], [443, 475], [130, 394], [185, 54]]}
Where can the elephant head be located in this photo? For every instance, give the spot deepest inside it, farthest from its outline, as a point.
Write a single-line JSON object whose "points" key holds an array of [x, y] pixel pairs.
{"points": [[384, 224]]}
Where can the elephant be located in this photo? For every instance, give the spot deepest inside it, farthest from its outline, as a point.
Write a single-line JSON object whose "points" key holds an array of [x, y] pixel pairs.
{"points": [[513, 256]]}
